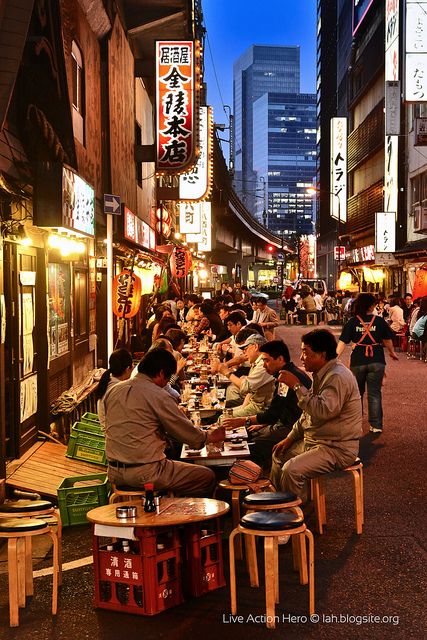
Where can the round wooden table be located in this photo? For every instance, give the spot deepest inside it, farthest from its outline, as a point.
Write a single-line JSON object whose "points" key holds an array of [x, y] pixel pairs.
{"points": [[173, 512]]}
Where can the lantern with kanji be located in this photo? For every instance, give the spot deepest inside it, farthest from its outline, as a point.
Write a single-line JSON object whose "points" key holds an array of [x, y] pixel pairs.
{"points": [[163, 224], [126, 294], [180, 262]]}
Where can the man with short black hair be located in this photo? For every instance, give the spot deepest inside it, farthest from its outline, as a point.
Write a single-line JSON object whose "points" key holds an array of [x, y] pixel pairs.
{"points": [[265, 317], [139, 416], [270, 426], [326, 437]]}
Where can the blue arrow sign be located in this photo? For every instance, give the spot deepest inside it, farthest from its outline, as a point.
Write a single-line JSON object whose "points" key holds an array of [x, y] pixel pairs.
{"points": [[112, 204]]}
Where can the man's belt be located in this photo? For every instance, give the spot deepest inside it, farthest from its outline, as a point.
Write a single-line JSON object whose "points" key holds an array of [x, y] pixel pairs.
{"points": [[125, 465]]}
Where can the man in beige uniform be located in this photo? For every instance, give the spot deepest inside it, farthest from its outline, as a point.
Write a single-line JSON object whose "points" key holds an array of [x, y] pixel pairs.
{"points": [[139, 414], [326, 436]]}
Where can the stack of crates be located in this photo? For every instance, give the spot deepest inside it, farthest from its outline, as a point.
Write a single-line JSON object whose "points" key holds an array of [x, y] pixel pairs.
{"points": [[146, 579], [204, 569], [79, 494], [87, 440]]}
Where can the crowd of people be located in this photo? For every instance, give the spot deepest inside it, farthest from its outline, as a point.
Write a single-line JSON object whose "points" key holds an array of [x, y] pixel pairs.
{"points": [[302, 421]]}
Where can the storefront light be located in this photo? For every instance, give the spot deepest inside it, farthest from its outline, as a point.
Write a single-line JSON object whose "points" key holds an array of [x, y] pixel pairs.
{"points": [[66, 246], [203, 274]]}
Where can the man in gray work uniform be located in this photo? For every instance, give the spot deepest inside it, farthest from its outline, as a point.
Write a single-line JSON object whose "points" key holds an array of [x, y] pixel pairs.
{"points": [[139, 415]]}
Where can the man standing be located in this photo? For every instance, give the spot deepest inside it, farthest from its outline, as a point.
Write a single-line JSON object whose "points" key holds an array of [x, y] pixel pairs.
{"points": [[255, 389], [408, 307], [270, 426], [139, 416], [326, 437], [266, 318]]}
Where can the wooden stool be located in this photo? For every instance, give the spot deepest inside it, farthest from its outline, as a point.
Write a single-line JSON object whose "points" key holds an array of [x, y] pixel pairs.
{"points": [[19, 561], [270, 526], [235, 489], [275, 501], [34, 509], [319, 499], [123, 493], [311, 316]]}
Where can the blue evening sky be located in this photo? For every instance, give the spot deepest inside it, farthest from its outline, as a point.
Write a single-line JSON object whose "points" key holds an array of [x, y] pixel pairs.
{"points": [[234, 25]]}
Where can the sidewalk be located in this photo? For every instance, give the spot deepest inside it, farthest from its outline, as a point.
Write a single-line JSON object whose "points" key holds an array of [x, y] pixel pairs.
{"points": [[380, 573]]}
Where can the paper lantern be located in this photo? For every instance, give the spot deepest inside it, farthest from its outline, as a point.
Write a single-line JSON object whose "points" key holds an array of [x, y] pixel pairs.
{"points": [[180, 262], [420, 283], [126, 294]]}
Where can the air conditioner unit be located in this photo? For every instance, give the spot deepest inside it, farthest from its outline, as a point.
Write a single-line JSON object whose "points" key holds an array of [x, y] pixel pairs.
{"points": [[420, 219]]}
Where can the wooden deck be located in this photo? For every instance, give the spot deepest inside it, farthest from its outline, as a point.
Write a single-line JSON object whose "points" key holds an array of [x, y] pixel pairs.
{"points": [[44, 467]]}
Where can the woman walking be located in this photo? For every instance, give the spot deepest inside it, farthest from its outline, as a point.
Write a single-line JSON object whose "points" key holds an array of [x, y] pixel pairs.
{"points": [[369, 334]]}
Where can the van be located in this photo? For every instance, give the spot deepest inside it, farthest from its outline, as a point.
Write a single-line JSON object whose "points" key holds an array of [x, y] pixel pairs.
{"points": [[313, 283]]}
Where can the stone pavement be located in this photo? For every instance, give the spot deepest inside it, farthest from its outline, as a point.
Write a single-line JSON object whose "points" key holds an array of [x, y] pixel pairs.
{"points": [[380, 573]]}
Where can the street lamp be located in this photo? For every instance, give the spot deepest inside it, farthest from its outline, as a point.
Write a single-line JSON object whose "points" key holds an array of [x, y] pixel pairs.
{"points": [[313, 191]]}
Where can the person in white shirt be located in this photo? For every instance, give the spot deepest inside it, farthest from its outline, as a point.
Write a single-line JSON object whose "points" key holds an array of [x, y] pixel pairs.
{"points": [[395, 316]]}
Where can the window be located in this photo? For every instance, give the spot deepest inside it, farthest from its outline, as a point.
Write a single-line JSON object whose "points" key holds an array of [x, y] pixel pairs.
{"points": [[59, 309], [78, 92]]}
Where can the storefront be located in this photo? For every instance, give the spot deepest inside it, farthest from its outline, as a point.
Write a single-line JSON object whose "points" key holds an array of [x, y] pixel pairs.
{"points": [[377, 273]]}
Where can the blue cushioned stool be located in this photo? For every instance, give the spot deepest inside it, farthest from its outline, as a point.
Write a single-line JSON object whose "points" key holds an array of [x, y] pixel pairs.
{"points": [[271, 525], [18, 531]]}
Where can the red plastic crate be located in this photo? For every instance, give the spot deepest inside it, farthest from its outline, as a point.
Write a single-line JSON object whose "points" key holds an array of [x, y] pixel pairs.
{"points": [[204, 570], [144, 582]]}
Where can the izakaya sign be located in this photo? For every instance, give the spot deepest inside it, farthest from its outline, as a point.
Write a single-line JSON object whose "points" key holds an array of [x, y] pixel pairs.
{"points": [[189, 217], [416, 51], [204, 238], [338, 202], [197, 183], [126, 294], [176, 121], [180, 262], [385, 231]]}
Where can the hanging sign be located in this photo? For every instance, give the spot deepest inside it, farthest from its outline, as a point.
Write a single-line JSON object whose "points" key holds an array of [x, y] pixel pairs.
{"points": [[78, 203], [180, 262], [126, 294], [189, 217], [338, 202], [175, 105], [197, 183], [204, 238], [416, 51], [385, 231]]}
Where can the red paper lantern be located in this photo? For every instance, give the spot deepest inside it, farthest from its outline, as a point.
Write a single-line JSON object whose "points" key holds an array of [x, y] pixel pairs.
{"points": [[126, 294], [180, 262]]}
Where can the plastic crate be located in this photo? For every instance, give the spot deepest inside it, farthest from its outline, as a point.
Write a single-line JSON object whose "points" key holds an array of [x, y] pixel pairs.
{"points": [[89, 426], [87, 442], [204, 569], [144, 581], [75, 501], [93, 417]]}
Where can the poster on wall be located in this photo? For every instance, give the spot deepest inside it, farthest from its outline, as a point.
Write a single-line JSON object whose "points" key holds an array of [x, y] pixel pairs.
{"points": [[28, 398], [27, 327]]}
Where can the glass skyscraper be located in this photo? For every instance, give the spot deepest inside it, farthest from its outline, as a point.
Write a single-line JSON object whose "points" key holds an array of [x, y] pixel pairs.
{"points": [[274, 138]]}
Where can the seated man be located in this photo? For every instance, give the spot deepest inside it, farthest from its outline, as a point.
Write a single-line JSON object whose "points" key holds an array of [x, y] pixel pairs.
{"points": [[139, 415], [255, 389], [270, 426], [326, 437]]}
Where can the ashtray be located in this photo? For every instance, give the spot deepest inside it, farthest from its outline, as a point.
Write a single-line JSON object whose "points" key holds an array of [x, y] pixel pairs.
{"points": [[125, 512]]}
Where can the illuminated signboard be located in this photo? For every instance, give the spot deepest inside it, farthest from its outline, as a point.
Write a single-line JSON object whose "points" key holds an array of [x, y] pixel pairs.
{"points": [[204, 238], [416, 51], [391, 40], [385, 231], [197, 183], [138, 231], [175, 107], [338, 198], [360, 9], [391, 191], [189, 217], [78, 203], [362, 254]]}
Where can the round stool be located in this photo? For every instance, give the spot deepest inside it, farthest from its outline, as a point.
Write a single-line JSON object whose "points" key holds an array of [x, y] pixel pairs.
{"points": [[271, 526], [236, 489], [34, 509], [319, 499], [275, 501], [19, 562], [123, 493]]}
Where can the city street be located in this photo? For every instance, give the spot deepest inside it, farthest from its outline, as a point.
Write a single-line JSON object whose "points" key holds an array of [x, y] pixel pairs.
{"points": [[380, 573]]}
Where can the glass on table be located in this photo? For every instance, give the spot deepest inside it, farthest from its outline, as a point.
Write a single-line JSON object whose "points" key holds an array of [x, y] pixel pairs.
{"points": [[196, 419]]}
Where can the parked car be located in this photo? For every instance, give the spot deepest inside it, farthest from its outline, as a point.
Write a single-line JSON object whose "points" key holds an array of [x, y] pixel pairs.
{"points": [[313, 283]]}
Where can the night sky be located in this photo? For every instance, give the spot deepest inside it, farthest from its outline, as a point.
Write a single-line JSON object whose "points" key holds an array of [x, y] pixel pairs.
{"points": [[234, 25]]}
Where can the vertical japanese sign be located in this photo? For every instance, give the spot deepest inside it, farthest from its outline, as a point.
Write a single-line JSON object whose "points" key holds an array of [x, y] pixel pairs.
{"points": [[204, 238], [416, 51], [175, 86], [385, 232], [197, 183], [338, 202], [189, 217], [391, 142]]}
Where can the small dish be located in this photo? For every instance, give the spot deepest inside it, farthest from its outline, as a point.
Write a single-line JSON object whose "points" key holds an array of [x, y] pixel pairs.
{"points": [[236, 445], [193, 452]]}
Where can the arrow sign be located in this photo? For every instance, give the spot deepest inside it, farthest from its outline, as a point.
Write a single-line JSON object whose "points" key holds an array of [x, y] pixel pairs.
{"points": [[112, 204]]}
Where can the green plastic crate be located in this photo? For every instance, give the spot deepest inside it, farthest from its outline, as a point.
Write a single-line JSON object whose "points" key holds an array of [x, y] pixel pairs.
{"points": [[88, 427], [74, 502], [90, 416], [85, 444]]}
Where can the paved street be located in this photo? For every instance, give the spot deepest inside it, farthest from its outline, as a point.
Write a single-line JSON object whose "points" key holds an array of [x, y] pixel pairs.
{"points": [[380, 573]]}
